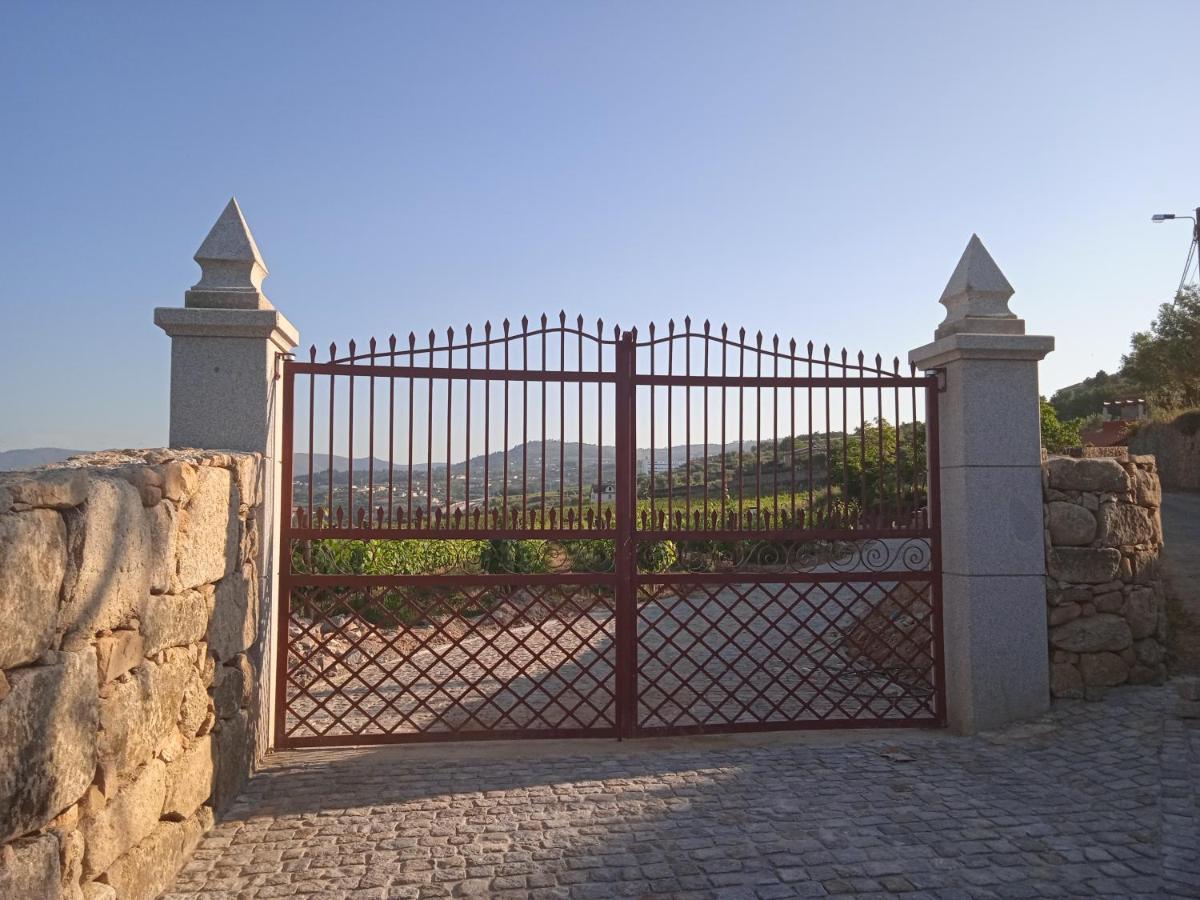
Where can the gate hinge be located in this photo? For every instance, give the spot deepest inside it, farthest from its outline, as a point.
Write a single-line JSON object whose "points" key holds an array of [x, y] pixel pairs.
{"points": [[940, 374], [280, 356]]}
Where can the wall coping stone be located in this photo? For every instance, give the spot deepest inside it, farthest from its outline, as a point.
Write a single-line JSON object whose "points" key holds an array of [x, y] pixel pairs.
{"points": [[248, 323], [962, 345]]}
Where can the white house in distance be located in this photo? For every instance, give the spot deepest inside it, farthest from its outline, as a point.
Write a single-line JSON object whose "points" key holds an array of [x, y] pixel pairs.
{"points": [[604, 492]]}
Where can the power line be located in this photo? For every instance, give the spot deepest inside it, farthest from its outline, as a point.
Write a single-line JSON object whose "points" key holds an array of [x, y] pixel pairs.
{"points": [[1187, 265]]}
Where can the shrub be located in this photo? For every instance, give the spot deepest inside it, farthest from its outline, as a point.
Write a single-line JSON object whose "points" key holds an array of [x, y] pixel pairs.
{"points": [[656, 556], [513, 557], [1188, 423], [589, 556]]}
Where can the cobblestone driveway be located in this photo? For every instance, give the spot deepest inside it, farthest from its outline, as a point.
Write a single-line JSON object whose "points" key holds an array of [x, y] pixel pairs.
{"points": [[1094, 799]]}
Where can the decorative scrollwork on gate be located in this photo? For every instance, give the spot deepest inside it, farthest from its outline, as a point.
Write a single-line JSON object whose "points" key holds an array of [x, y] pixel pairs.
{"points": [[781, 556]]}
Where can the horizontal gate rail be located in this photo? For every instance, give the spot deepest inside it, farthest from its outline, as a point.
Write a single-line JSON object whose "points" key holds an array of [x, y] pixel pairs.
{"points": [[532, 578], [685, 579], [772, 382]]}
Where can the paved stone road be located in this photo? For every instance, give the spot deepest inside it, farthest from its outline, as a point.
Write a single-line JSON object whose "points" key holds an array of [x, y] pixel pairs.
{"points": [[1181, 558], [1094, 799]]}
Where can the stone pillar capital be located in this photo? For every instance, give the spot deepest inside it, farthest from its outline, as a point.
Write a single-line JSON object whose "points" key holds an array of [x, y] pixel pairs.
{"points": [[965, 345], [976, 296], [268, 324], [231, 268]]}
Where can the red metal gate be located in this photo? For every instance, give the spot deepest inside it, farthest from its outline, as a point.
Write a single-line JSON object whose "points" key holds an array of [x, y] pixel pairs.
{"points": [[487, 567]]}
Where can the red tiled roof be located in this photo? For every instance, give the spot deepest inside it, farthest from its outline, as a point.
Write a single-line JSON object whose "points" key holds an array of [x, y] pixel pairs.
{"points": [[1110, 434]]}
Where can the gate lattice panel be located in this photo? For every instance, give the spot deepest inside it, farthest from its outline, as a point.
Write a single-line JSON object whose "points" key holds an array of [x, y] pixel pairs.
{"points": [[468, 558]]}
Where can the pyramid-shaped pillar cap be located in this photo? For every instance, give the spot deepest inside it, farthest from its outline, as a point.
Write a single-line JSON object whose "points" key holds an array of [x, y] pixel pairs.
{"points": [[231, 268], [976, 296]]}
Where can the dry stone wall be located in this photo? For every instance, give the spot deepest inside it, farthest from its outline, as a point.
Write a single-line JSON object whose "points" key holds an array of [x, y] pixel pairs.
{"points": [[1176, 449], [1106, 606], [128, 666]]}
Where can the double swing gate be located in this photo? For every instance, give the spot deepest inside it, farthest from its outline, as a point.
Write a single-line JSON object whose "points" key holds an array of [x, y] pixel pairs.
{"points": [[554, 531]]}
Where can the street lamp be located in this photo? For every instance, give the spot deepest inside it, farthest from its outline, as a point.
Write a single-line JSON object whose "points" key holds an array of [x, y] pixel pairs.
{"points": [[1165, 217]]}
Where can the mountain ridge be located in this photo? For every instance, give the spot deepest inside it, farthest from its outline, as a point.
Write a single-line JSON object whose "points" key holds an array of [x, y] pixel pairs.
{"points": [[21, 459]]}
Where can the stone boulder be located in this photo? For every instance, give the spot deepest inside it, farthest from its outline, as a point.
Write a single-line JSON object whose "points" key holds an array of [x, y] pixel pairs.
{"points": [[179, 480], [190, 780], [234, 758], [247, 468], [110, 558], [1147, 489], [1064, 613], [1065, 681], [1083, 565], [1141, 612], [1103, 669], [195, 706], [208, 530], [128, 818], [227, 691], [48, 752], [1101, 475], [1071, 525], [118, 652], [1122, 524], [1092, 635], [175, 621], [52, 489], [1150, 652], [149, 868], [234, 623], [30, 868], [138, 714], [33, 561], [1145, 566], [164, 532]]}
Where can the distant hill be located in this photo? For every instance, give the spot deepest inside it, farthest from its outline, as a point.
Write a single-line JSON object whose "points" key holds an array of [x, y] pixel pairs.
{"points": [[1087, 397], [570, 453], [32, 458], [516, 454]]}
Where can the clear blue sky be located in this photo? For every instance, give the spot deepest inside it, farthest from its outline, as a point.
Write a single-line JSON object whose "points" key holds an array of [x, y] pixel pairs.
{"points": [[812, 169]]}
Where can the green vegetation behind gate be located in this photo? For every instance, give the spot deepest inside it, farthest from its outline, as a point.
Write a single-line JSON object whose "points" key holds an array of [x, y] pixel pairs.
{"points": [[392, 605], [1162, 366]]}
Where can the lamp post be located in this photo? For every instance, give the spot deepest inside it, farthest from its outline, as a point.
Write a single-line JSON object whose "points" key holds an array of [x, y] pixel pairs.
{"points": [[1166, 217]]}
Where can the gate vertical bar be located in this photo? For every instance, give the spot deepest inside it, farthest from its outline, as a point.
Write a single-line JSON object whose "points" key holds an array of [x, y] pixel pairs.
{"points": [[933, 516], [285, 554], [625, 551]]}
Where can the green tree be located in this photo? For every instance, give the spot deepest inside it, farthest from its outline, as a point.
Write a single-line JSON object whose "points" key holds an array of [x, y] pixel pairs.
{"points": [[1057, 436], [1165, 361], [877, 479], [1087, 398]]}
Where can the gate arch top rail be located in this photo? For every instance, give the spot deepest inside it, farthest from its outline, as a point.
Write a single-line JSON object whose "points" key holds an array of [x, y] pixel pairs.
{"points": [[508, 335], [478, 372]]}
